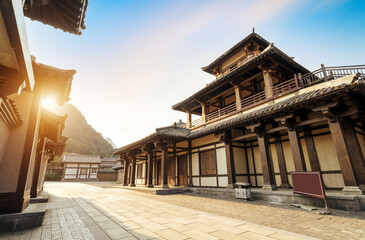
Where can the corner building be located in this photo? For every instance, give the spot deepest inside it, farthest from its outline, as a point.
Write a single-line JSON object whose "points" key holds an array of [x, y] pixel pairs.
{"points": [[263, 117]]}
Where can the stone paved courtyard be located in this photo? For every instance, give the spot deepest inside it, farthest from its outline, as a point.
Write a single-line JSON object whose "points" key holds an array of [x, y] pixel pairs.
{"points": [[96, 211]]}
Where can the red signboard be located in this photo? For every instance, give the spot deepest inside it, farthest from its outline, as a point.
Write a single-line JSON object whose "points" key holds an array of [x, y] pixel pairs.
{"points": [[308, 183]]}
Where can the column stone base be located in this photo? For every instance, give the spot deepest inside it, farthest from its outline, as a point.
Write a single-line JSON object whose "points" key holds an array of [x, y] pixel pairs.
{"points": [[149, 186], [132, 185], [268, 187], [351, 190], [165, 186], [125, 184], [285, 185]]}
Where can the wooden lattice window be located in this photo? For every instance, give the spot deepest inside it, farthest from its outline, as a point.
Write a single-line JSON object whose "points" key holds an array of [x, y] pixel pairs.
{"points": [[83, 171], [208, 163]]}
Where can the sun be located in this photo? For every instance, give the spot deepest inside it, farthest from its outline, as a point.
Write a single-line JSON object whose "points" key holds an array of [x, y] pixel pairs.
{"points": [[49, 102]]}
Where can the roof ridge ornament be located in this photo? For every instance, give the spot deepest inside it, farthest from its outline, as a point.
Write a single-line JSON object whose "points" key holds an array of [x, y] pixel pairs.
{"points": [[253, 30]]}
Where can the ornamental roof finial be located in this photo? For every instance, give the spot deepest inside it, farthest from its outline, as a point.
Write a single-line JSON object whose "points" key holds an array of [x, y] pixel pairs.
{"points": [[253, 30]]}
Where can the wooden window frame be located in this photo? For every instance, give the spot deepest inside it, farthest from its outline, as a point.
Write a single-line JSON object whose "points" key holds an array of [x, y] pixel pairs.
{"points": [[204, 173]]}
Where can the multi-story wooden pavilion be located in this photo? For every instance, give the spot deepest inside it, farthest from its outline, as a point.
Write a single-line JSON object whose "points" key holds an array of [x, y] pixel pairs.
{"points": [[263, 117], [26, 130]]}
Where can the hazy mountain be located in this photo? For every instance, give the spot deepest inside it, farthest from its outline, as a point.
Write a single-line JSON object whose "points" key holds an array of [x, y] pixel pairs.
{"points": [[83, 138]]}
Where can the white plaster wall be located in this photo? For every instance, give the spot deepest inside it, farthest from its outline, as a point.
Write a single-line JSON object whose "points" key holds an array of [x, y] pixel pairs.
{"points": [[70, 176], [222, 181], [260, 181], [219, 145], [93, 175], [333, 180], [195, 181], [195, 163], [253, 181], [221, 161], [84, 165], [71, 164], [326, 152], [70, 171], [274, 158], [278, 180], [143, 170], [208, 182], [95, 165], [305, 154], [288, 156], [258, 165]]}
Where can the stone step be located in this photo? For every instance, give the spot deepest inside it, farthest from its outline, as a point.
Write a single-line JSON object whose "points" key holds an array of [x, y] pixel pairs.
{"points": [[39, 199], [31, 217]]}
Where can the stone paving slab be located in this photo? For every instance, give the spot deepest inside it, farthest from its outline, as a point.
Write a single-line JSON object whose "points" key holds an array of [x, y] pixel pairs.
{"points": [[84, 211]]}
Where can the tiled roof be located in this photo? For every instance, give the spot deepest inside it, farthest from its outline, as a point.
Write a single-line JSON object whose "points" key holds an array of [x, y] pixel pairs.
{"points": [[68, 15], [239, 45], [79, 158], [58, 82], [306, 98], [272, 51], [284, 106], [173, 132]]}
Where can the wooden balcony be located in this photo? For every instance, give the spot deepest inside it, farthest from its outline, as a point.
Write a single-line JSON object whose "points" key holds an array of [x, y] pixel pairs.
{"points": [[297, 82]]}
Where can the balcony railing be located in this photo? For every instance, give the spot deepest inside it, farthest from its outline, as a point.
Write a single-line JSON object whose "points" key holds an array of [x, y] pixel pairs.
{"points": [[299, 81], [239, 64]]}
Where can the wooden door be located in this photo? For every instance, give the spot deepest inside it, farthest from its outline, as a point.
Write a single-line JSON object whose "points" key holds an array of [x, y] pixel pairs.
{"points": [[171, 171], [183, 170], [83, 173]]}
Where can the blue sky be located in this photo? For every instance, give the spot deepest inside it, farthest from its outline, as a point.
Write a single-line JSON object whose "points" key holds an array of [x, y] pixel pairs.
{"points": [[137, 58]]}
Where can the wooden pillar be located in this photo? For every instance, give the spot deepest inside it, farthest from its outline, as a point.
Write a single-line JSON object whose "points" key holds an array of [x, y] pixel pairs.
{"points": [[344, 154], [164, 166], [126, 168], [294, 140], [204, 110], [311, 149], [149, 169], [266, 162], [356, 155], [268, 84], [309, 142], [238, 94], [190, 184], [188, 120], [36, 174], [155, 164], [23, 190], [297, 151], [229, 158], [281, 161], [133, 171]]}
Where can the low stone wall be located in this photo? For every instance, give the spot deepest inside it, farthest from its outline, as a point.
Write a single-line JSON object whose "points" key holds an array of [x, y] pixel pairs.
{"points": [[107, 176], [334, 200]]}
